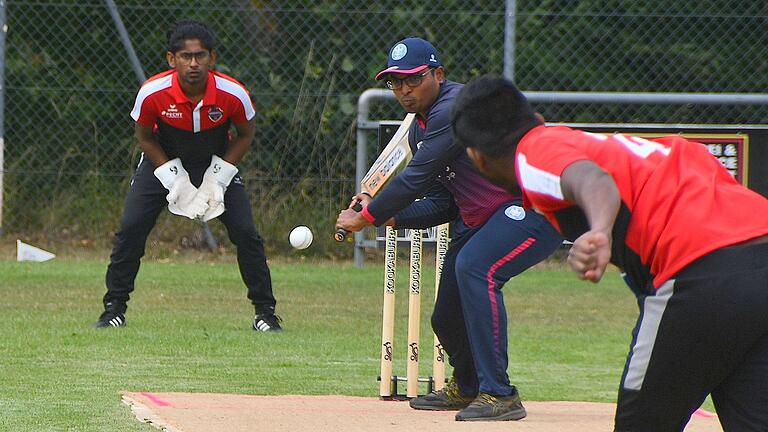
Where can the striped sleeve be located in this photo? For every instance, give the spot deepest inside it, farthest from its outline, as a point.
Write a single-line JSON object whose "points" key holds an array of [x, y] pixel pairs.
{"points": [[238, 91], [142, 112]]}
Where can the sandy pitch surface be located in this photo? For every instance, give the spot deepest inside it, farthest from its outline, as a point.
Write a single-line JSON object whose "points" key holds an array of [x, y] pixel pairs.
{"points": [[202, 412]]}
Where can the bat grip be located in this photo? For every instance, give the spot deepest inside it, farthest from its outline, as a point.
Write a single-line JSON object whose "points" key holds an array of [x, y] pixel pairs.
{"points": [[341, 233]]}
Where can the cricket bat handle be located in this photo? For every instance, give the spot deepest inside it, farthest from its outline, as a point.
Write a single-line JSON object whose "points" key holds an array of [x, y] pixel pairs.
{"points": [[341, 233]]}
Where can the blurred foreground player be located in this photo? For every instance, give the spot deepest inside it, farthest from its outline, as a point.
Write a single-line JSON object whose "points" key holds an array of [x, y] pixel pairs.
{"points": [[692, 241]]}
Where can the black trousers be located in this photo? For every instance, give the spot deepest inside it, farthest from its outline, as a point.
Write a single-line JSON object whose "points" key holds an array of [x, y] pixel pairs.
{"points": [[145, 201], [703, 332]]}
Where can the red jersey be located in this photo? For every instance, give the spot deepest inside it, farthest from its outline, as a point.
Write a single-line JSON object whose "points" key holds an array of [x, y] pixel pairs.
{"points": [[193, 133], [678, 201]]}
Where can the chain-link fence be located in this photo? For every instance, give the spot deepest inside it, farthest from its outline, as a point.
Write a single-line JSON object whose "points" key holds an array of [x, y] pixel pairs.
{"points": [[69, 152]]}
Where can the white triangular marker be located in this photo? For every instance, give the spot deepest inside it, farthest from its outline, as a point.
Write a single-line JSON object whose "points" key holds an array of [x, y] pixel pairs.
{"points": [[25, 252]]}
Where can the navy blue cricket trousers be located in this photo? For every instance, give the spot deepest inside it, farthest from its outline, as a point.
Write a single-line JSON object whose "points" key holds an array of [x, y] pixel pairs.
{"points": [[469, 317]]}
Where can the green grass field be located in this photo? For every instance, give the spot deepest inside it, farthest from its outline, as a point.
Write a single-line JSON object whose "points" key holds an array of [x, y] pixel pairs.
{"points": [[189, 330]]}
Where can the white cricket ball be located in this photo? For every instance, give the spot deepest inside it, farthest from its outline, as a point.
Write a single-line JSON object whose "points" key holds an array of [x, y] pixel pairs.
{"points": [[300, 237]]}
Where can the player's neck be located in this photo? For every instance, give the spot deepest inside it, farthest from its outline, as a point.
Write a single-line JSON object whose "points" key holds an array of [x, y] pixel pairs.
{"points": [[193, 92], [423, 115]]}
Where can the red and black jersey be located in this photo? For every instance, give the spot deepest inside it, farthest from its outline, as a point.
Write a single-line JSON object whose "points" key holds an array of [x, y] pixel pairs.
{"points": [[192, 133], [678, 201]]}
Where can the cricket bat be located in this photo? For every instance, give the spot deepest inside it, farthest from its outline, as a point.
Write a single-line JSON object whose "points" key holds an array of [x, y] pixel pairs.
{"points": [[387, 165]]}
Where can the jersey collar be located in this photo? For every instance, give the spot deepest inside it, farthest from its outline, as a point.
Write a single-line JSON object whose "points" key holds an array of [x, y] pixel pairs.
{"points": [[209, 98]]}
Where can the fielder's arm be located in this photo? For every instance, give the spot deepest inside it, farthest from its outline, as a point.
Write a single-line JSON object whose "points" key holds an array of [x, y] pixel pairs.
{"points": [[241, 143], [594, 191], [149, 144]]}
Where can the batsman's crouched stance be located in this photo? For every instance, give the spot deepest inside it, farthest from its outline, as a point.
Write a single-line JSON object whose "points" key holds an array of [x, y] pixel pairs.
{"points": [[494, 238]]}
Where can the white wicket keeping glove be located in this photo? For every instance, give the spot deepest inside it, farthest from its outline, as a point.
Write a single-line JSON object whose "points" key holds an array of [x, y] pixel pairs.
{"points": [[216, 179], [181, 192]]}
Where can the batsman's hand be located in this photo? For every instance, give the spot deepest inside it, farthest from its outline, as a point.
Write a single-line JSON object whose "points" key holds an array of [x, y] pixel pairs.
{"points": [[216, 179], [590, 254], [350, 220], [360, 200], [181, 191]]}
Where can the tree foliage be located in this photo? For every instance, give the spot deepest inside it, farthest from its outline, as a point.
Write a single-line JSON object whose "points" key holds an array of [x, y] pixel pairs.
{"points": [[70, 85]]}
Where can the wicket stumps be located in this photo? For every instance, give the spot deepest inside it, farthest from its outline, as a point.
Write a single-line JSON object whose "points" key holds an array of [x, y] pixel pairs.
{"points": [[388, 387]]}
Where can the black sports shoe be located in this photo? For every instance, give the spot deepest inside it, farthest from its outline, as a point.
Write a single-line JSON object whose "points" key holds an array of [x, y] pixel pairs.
{"points": [[113, 316], [487, 407], [448, 398], [267, 322]]}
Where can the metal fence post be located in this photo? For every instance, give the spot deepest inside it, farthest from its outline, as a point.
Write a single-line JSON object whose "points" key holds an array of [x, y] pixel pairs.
{"points": [[510, 16], [126, 40], [3, 30]]}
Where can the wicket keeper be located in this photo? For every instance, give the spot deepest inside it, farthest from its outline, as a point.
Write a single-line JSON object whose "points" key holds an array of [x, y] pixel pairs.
{"points": [[183, 118]]}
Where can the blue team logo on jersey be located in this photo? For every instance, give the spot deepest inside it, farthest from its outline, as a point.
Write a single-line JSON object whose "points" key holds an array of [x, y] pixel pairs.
{"points": [[215, 114], [399, 51], [515, 212]]}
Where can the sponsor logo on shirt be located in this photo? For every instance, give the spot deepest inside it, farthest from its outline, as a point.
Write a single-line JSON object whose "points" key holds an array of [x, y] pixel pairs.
{"points": [[515, 212], [215, 114], [172, 112]]}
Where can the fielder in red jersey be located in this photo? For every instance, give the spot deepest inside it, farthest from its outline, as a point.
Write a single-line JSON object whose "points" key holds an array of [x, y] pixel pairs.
{"points": [[692, 242]]}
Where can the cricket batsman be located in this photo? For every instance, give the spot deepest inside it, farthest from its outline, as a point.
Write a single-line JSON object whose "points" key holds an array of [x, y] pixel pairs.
{"points": [[495, 240]]}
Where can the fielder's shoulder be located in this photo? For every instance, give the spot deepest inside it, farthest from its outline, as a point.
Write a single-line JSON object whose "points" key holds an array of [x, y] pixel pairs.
{"points": [[227, 80], [153, 85], [235, 88]]}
